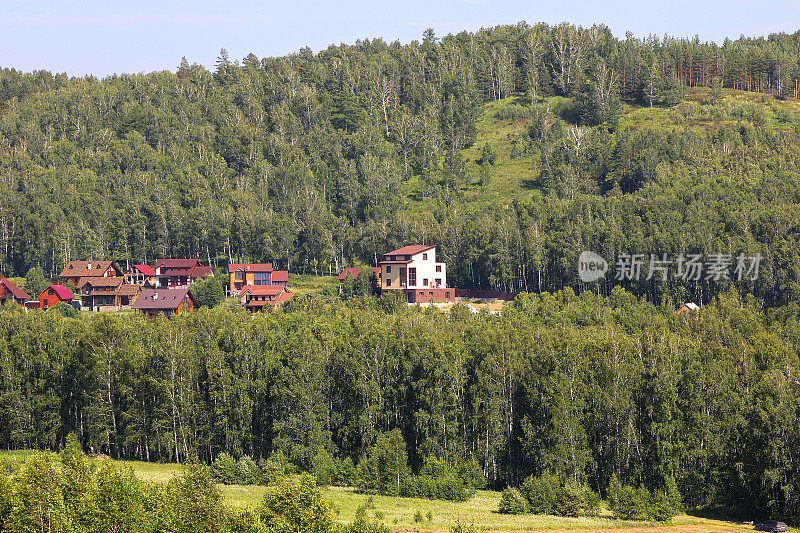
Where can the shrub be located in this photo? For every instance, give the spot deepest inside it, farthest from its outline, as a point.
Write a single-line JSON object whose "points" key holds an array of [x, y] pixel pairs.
{"points": [[324, 467], [346, 474], [542, 493], [224, 469], [460, 527], [65, 309], [296, 505], [362, 523], [418, 516], [208, 292], [248, 472], [512, 502]]}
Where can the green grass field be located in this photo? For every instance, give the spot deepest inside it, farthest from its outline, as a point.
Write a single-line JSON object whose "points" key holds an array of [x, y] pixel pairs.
{"points": [[437, 515], [399, 513]]}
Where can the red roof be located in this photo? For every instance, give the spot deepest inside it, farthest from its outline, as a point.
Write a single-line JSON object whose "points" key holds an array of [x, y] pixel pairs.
{"points": [[410, 250], [250, 267], [355, 271], [279, 275], [176, 263], [200, 271], [153, 299], [62, 292], [145, 269], [262, 290], [15, 291], [79, 269], [283, 297]]}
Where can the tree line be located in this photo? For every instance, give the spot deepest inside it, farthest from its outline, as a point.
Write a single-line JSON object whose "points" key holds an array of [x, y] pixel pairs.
{"points": [[587, 388], [316, 161]]}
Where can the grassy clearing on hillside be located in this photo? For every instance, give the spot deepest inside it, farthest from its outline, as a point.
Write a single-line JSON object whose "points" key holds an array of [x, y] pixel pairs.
{"points": [[307, 283], [399, 513]]}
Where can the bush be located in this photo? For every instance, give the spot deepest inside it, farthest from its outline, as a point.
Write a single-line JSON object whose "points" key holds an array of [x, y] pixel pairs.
{"points": [[208, 292], [296, 505], [362, 523], [64, 309], [541, 493], [512, 502], [418, 516], [460, 527], [512, 111], [641, 504], [248, 472], [224, 469], [550, 494]]}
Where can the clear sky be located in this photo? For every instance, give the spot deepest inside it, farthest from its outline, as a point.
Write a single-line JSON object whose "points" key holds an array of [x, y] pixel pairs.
{"points": [[90, 36]]}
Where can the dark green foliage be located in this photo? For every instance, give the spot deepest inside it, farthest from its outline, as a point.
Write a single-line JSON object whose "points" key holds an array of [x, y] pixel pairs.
{"points": [[384, 468], [660, 504], [512, 502], [224, 469], [208, 292], [542, 493]]}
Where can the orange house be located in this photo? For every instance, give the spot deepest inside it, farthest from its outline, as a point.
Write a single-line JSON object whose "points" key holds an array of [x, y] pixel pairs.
{"points": [[256, 298], [254, 274], [54, 294]]}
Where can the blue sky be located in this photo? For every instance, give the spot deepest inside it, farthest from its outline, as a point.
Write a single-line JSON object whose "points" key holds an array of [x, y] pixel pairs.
{"points": [[80, 37]]}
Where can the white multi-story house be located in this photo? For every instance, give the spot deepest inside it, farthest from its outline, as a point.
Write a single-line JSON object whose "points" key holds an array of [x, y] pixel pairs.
{"points": [[415, 271]]}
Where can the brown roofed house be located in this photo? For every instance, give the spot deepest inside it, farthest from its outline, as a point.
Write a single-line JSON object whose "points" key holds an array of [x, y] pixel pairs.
{"points": [[172, 273], [258, 297], [107, 294], [170, 302], [415, 271], [141, 275], [11, 293], [75, 270]]}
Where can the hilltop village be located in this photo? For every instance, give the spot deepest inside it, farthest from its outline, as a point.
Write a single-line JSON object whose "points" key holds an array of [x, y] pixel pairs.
{"points": [[166, 287]]}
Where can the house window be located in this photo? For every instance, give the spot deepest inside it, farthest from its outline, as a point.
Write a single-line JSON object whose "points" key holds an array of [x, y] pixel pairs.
{"points": [[447, 295], [438, 268], [388, 282], [424, 282], [438, 281], [412, 277], [239, 275], [402, 277], [388, 269], [424, 257]]}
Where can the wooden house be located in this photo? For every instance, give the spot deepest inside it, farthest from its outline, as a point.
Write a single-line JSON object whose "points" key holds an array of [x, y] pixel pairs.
{"points": [[258, 297], [75, 270], [152, 302], [141, 275], [254, 274], [107, 294], [179, 273], [688, 307], [11, 293], [53, 295], [415, 271]]}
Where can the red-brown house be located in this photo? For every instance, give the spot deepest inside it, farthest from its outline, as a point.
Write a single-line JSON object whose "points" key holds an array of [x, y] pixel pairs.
{"points": [[54, 294], [75, 270], [141, 275], [172, 273], [258, 297], [12, 293], [170, 302], [107, 294]]}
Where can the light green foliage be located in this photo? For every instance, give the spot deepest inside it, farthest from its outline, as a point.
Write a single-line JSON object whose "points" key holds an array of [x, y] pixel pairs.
{"points": [[35, 282], [512, 502], [224, 469], [64, 309], [208, 291], [37, 501], [191, 502], [296, 506], [385, 469]]}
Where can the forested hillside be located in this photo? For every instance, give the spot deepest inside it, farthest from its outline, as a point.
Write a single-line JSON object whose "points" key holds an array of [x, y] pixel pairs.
{"points": [[582, 387], [513, 148]]}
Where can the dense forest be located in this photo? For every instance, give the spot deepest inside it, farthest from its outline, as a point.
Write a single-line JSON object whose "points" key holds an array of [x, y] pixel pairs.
{"points": [[588, 388], [319, 161]]}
